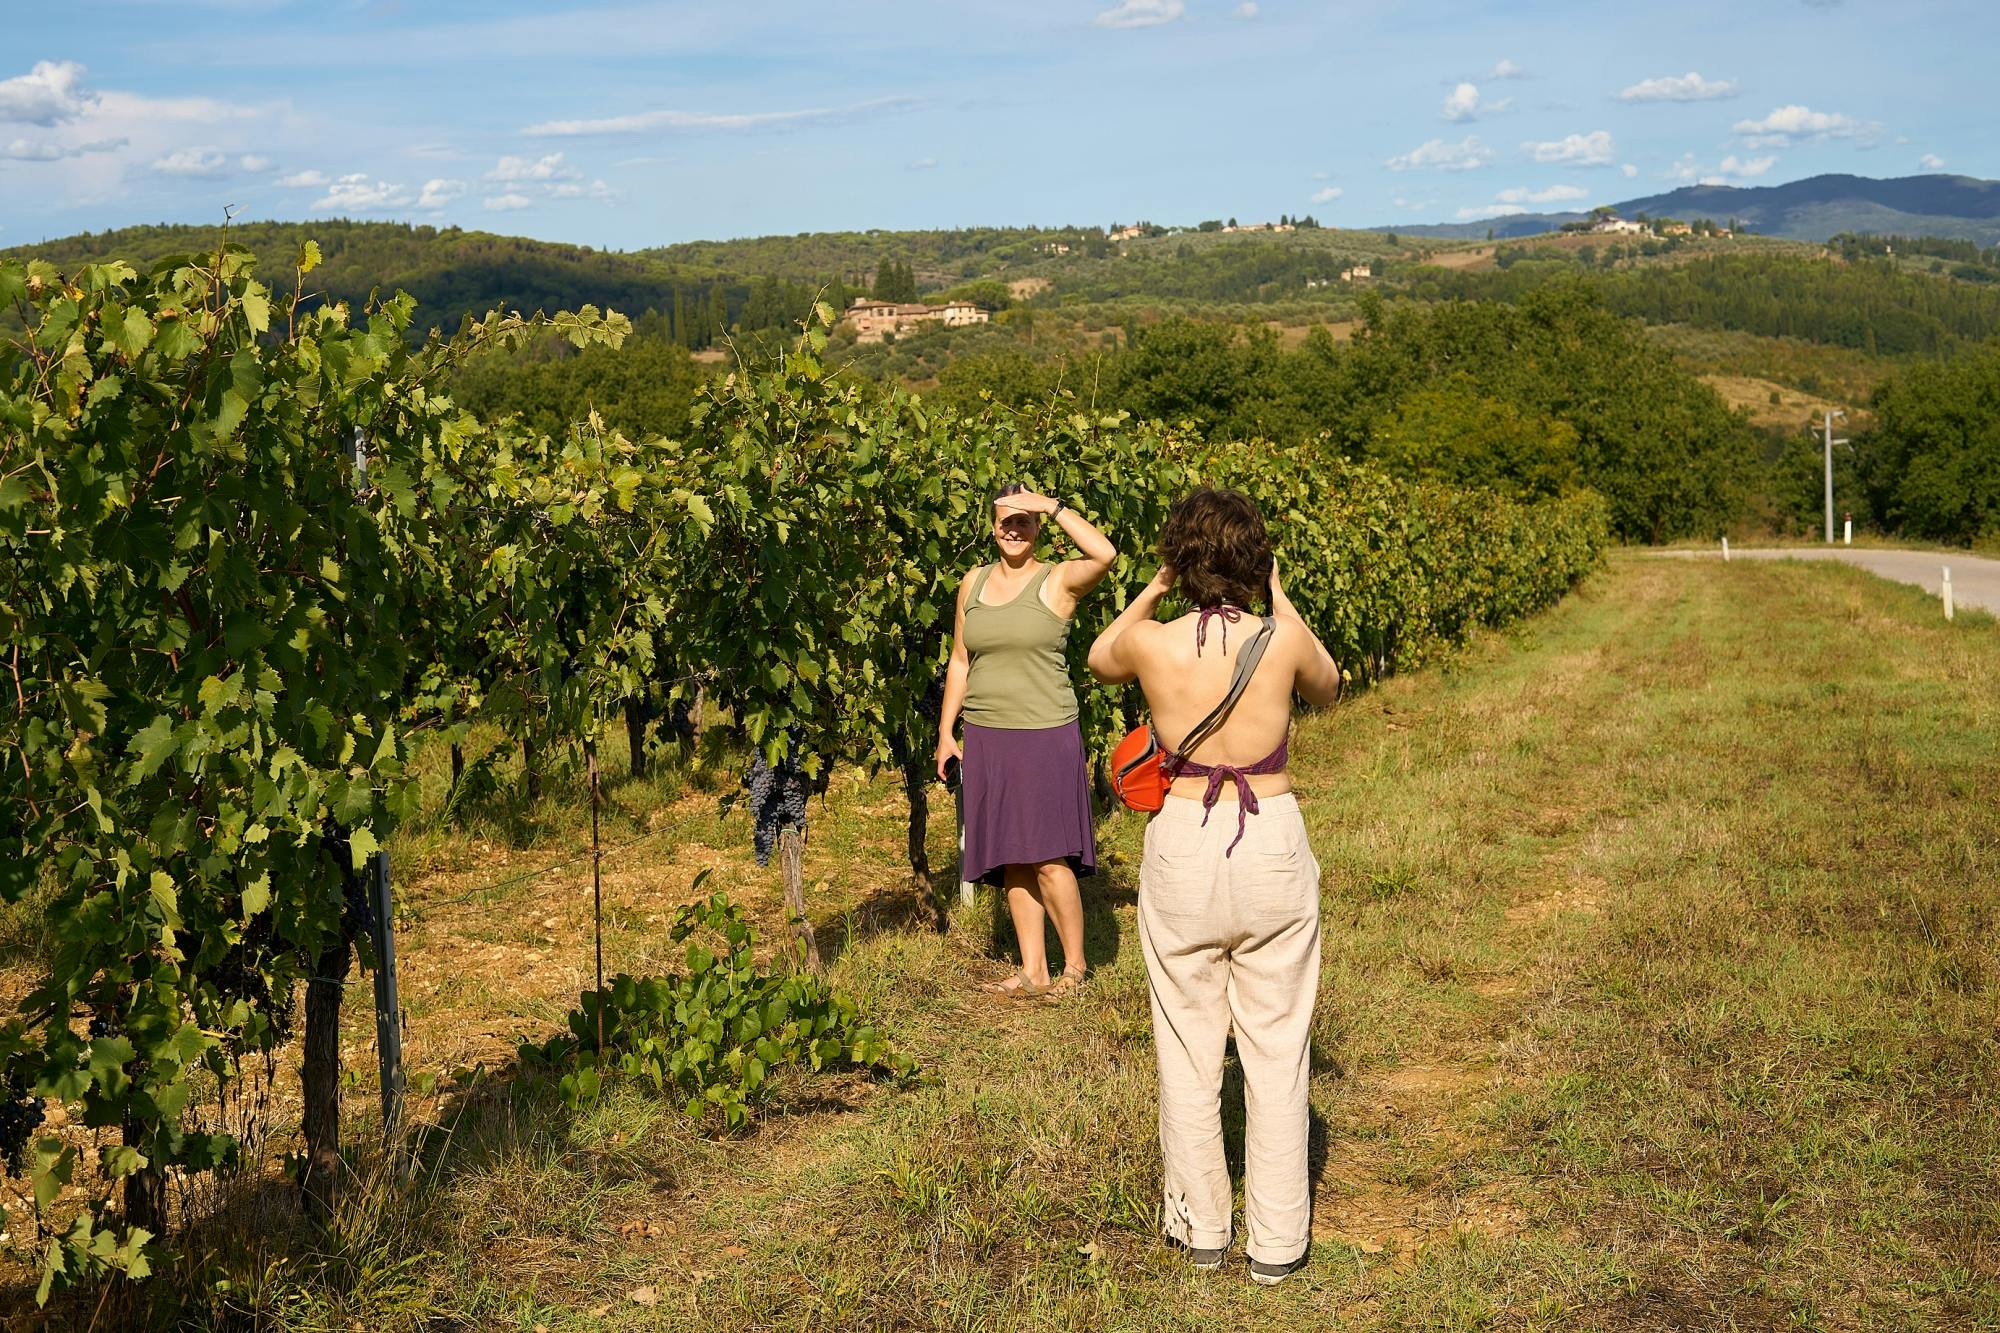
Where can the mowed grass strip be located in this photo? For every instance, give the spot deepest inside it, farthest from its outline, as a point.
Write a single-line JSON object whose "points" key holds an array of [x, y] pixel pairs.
{"points": [[1659, 991]]}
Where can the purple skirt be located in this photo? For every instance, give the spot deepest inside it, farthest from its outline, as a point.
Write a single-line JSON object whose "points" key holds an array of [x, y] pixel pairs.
{"points": [[1027, 799]]}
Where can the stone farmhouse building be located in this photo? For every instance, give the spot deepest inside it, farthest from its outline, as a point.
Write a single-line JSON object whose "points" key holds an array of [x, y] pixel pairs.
{"points": [[871, 318]]}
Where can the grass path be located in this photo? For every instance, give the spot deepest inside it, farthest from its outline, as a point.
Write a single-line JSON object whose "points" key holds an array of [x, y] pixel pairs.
{"points": [[1659, 992]]}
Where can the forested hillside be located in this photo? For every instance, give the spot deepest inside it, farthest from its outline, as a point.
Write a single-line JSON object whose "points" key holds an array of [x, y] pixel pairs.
{"points": [[455, 274], [1525, 365], [1872, 306], [1812, 209]]}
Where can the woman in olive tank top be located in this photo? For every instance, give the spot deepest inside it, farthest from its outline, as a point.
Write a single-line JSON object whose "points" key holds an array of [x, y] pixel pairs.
{"points": [[1026, 785]]}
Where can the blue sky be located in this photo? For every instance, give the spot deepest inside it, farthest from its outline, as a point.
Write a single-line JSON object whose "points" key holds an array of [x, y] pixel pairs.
{"points": [[624, 124]]}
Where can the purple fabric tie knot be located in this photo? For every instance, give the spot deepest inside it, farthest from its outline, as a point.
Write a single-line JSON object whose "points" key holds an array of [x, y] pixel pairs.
{"points": [[1229, 615], [1217, 774]]}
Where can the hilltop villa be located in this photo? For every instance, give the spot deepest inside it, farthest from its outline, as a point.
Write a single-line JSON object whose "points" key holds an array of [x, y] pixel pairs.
{"points": [[871, 318]]}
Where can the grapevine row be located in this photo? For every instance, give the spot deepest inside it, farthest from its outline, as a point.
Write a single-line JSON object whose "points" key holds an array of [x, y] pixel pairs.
{"points": [[225, 637]]}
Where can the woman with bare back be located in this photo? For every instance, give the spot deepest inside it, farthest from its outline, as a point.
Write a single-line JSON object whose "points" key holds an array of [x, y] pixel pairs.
{"points": [[1229, 888], [1025, 783]]}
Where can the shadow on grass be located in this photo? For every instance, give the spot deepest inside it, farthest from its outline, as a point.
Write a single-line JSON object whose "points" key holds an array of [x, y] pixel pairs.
{"points": [[496, 1166], [1103, 894], [911, 906]]}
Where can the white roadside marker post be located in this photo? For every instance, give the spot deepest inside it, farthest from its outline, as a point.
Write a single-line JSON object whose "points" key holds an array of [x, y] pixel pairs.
{"points": [[1725, 550], [1947, 592], [968, 892], [1847, 531]]}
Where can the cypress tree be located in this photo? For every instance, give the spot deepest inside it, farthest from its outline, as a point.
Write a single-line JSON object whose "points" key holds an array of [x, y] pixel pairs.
{"points": [[718, 312]]}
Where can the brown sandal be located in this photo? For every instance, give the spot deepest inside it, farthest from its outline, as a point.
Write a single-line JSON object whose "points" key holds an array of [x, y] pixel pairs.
{"points": [[1016, 987], [1069, 983]]}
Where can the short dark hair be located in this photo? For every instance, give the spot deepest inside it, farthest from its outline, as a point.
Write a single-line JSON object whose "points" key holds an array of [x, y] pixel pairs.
{"points": [[1218, 548], [1011, 488]]}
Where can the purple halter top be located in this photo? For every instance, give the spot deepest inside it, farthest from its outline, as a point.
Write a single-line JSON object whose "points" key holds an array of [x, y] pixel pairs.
{"points": [[1175, 766]]}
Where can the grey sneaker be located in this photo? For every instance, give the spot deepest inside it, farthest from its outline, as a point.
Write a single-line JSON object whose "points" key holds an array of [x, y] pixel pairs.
{"points": [[1204, 1261], [1270, 1275]]}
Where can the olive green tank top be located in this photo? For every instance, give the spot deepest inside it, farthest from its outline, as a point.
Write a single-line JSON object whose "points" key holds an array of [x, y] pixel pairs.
{"points": [[1020, 671]]}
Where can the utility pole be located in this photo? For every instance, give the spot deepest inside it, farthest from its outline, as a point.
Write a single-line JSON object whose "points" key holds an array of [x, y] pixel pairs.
{"points": [[1831, 414]]}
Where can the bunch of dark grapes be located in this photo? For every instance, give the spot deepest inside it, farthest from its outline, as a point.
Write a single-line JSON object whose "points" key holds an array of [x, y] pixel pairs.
{"points": [[931, 706], [680, 720], [20, 1117], [777, 800], [239, 975]]}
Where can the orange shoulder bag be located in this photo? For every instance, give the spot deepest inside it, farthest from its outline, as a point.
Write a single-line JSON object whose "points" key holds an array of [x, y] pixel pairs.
{"points": [[1138, 764]]}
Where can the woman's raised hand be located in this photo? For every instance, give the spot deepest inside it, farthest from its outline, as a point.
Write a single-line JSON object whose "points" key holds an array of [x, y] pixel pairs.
{"points": [[1026, 502], [1280, 604]]}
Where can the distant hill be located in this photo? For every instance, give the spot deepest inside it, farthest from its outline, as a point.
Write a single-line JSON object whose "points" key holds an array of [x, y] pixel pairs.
{"points": [[452, 273], [1958, 207]]}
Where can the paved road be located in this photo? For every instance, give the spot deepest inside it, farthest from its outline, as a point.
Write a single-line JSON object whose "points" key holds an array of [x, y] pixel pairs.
{"points": [[1975, 580]]}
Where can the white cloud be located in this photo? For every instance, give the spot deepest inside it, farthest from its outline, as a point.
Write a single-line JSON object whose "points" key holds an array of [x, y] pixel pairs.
{"points": [[354, 193], [1327, 195], [1931, 162], [648, 121], [507, 203], [1507, 69], [24, 150], [305, 180], [1689, 87], [597, 190], [201, 163], [1512, 201], [1140, 13], [1554, 194], [1790, 125], [1746, 167], [1438, 155], [923, 164], [48, 95], [106, 138], [1580, 150], [1465, 103], [549, 168], [439, 192], [255, 163], [1246, 10], [1731, 170], [1629, 170]]}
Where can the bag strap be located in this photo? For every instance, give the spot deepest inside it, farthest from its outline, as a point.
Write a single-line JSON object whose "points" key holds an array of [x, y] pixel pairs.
{"points": [[1247, 658]]}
